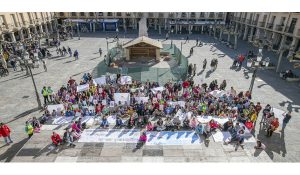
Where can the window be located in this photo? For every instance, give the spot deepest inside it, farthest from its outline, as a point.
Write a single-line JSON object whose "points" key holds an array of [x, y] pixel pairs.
{"points": [[119, 14], [161, 15], [183, 15], [36, 15], [193, 14], [140, 15], [42, 15], [91, 13], [61, 14], [73, 14], [150, 15], [202, 14], [171, 15], [128, 14], [220, 15], [81, 13], [22, 18], [211, 14], [13, 19], [100, 13], [2, 20], [292, 26], [109, 14]]}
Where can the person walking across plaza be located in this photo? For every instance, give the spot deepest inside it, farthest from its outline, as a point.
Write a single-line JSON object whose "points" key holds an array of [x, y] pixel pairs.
{"points": [[186, 39], [194, 70], [45, 95], [44, 64], [50, 93], [100, 52], [191, 51], [76, 54], [70, 52], [204, 63], [5, 133], [286, 119]]}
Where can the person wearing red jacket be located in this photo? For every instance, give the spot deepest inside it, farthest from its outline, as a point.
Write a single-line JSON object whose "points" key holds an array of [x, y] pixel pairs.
{"points": [[5, 133], [56, 140]]}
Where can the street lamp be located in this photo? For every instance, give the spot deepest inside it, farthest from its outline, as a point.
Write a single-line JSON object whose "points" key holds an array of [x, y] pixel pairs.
{"points": [[26, 57], [257, 63], [78, 31], [172, 38]]}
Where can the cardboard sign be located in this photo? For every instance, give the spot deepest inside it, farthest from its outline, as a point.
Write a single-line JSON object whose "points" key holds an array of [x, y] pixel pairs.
{"points": [[83, 87]]}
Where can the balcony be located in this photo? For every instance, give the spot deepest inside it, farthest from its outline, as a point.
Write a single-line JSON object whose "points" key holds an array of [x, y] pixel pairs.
{"points": [[279, 28], [262, 24]]}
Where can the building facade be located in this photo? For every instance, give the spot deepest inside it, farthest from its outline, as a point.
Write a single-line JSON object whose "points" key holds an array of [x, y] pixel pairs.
{"points": [[278, 31], [177, 22], [15, 26]]}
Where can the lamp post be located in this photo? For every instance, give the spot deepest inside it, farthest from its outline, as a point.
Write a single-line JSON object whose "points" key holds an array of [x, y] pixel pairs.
{"points": [[172, 38], [257, 63], [78, 31], [107, 44], [26, 57]]}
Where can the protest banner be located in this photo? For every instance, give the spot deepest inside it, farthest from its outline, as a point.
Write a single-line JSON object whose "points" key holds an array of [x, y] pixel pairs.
{"points": [[100, 80], [126, 80], [83, 87], [143, 99], [122, 97], [155, 90], [58, 108]]}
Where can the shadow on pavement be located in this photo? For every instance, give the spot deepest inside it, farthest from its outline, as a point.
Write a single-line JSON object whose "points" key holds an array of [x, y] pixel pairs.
{"points": [[24, 114], [13, 150]]}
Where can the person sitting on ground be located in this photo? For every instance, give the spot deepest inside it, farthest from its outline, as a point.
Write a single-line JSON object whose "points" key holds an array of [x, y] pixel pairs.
{"points": [[186, 123], [56, 140], [202, 129], [75, 127], [213, 125], [240, 139], [228, 125], [75, 134], [169, 124], [249, 125], [177, 123], [159, 125], [68, 138], [259, 145], [273, 126], [104, 122], [193, 123], [119, 122], [149, 126], [142, 140], [36, 125]]}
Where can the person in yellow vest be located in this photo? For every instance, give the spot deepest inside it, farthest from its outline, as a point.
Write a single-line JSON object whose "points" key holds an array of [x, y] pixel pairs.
{"points": [[29, 129], [45, 95]]}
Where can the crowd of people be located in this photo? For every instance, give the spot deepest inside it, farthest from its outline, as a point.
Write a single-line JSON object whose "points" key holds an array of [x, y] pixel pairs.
{"points": [[157, 114]]}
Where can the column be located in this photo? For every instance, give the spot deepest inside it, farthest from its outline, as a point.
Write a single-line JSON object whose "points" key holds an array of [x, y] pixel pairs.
{"points": [[28, 32], [189, 27], [46, 28], [281, 49], [135, 23], [35, 30], [91, 28], [221, 33], [155, 24], [235, 41], [176, 28], [202, 27], [94, 27], [12, 36], [159, 29], [124, 24], [21, 34], [228, 36], [245, 33], [127, 52], [50, 27], [251, 34], [166, 24], [215, 30], [41, 28]]}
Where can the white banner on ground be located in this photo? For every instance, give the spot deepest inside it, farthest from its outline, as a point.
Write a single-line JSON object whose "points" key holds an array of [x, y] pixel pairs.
{"points": [[110, 135], [206, 119], [217, 93], [143, 99], [100, 80], [122, 97], [174, 103], [62, 120], [132, 136], [126, 80], [225, 136], [155, 90], [58, 108], [83, 87]]}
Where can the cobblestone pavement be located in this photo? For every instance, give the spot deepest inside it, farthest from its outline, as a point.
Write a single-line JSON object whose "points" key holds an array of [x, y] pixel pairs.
{"points": [[18, 103]]}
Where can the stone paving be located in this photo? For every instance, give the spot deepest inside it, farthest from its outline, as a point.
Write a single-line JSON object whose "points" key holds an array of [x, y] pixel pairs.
{"points": [[18, 103]]}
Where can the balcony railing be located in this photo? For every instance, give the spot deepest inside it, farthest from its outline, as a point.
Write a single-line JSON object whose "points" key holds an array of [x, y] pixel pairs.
{"points": [[279, 28], [262, 24], [254, 22]]}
